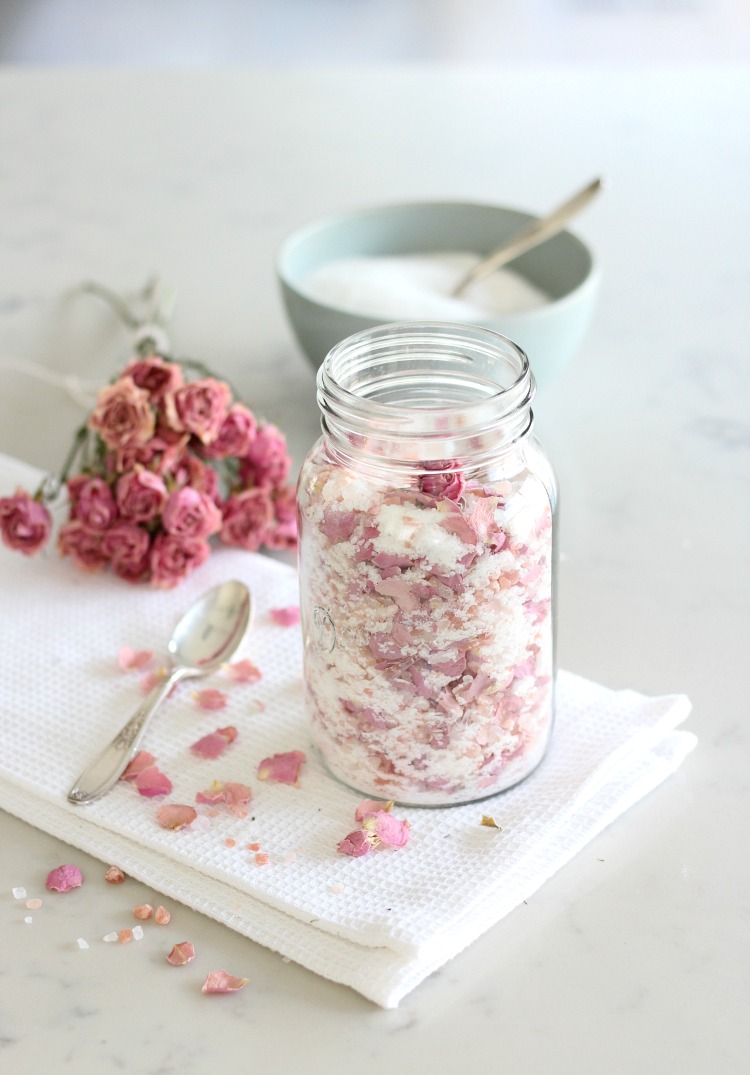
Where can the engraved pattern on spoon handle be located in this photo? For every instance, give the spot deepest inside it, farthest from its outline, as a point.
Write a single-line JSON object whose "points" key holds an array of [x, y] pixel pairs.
{"points": [[99, 777]]}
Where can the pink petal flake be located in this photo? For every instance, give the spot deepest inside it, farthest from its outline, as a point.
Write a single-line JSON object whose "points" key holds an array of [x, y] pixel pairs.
{"points": [[210, 698], [285, 617], [151, 781], [64, 878], [234, 796], [218, 981], [130, 660], [370, 806], [356, 844], [181, 954], [141, 761], [282, 768], [175, 815], [244, 672], [215, 743], [387, 829]]}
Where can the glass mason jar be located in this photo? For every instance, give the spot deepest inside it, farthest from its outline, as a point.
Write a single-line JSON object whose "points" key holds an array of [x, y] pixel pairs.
{"points": [[427, 563]]}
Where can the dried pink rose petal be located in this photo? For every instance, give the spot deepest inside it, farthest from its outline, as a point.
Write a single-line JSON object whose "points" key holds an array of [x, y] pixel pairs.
{"points": [[64, 878], [151, 781], [141, 761], [210, 698], [215, 743], [370, 806], [356, 844], [244, 672], [234, 796], [285, 617], [175, 815], [282, 768], [218, 981], [114, 875], [181, 954], [129, 659], [387, 829]]}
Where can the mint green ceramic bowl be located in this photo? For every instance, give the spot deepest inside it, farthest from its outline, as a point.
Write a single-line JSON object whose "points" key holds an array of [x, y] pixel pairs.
{"points": [[563, 267]]}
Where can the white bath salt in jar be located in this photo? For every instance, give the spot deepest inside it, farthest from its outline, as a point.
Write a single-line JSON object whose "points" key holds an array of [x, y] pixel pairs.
{"points": [[427, 563]]}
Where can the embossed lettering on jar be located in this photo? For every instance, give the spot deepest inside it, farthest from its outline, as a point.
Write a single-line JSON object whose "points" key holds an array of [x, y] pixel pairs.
{"points": [[427, 559]]}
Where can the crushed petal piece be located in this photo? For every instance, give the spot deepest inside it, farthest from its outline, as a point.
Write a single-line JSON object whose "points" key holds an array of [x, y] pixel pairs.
{"points": [[162, 917], [33, 904], [215, 743], [129, 659], [19, 892], [282, 768], [125, 936], [114, 875], [387, 829], [64, 878], [81, 943], [150, 680], [181, 954], [285, 617], [143, 911], [110, 938], [137, 933], [356, 844], [210, 698], [369, 806], [244, 672], [175, 815], [152, 781], [234, 796], [489, 822], [218, 981], [142, 760]]}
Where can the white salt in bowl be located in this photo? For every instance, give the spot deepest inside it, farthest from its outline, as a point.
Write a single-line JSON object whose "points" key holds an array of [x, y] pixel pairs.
{"points": [[563, 268]]}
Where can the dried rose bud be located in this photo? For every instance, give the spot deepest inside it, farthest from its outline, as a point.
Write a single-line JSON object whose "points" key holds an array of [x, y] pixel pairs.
{"points": [[114, 876], [143, 911]]}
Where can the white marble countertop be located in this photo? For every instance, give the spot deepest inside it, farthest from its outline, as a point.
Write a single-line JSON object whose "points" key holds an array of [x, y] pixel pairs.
{"points": [[634, 957]]}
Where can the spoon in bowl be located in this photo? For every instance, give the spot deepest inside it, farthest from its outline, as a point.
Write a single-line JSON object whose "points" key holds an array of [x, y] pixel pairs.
{"points": [[207, 635], [533, 234]]}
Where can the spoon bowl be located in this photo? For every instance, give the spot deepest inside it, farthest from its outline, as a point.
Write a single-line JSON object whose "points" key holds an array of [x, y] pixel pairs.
{"points": [[203, 639]]}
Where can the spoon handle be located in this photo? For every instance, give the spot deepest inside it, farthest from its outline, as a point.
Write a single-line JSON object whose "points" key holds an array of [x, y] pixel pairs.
{"points": [[530, 236], [99, 777]]}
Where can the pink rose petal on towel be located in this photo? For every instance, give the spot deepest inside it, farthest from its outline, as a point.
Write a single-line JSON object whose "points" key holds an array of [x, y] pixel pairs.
{"points": [[141, 761], [285, 617], [387, 829], [371, 806], [129, 659], [181, 954], [175, 815], [356, 844], [234, 796], [215, 743], [244, 672], [64, 878], [218, 981], [152, 781], [282, 768], [210, 698]]}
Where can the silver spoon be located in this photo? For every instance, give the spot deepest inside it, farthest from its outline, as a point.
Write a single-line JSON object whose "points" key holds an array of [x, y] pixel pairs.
{"points": [[533, 234], [206, 636]]}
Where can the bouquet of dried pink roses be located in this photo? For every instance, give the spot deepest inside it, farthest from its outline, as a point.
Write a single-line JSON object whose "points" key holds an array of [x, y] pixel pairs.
{"points": [[164, 464]]}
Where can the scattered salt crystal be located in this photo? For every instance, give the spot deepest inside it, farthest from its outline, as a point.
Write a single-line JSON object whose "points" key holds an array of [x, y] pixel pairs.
{"points": [[261, 858], [143, 910], [137, 933], [28, 919], [162, 917], [290, 856], [33, 904], [125, 936], [335, 889], [110, 938], [81, 943], [19, 893], [114, 875]]}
